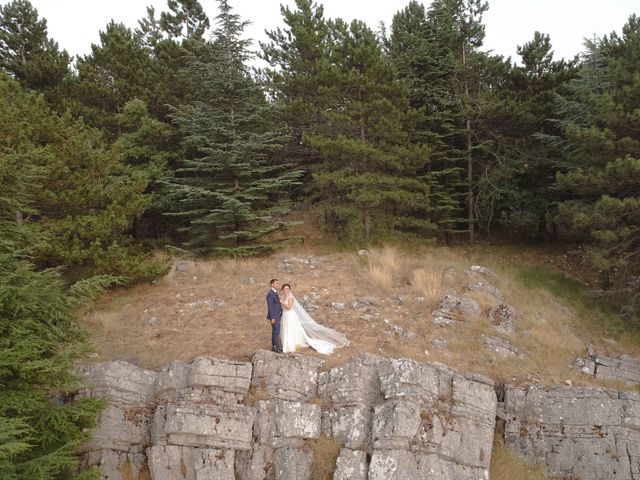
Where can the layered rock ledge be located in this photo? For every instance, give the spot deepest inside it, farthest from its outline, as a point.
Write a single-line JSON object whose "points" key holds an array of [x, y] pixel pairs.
{"points": [[389, 419], [220, 419]]}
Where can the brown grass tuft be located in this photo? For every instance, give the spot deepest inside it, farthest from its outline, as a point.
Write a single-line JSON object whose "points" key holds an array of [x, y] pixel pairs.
{"points": [[325, 453], [427, 284], [385, 265], [255, 394], [507, 465], [129, 473]]}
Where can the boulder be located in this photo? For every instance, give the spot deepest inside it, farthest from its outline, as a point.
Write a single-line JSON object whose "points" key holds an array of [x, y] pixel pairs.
{"points": [[454, 309], [220, 374], [255, 464], [172, 379], [483, 272], [431, 408], [486, 289], [124, 384], [281, 423], [349, 424], [292, 464], [354, 383], [117, 465], [125, 422], [501, 347], [206, 425], [393, 465], [622, 369]]}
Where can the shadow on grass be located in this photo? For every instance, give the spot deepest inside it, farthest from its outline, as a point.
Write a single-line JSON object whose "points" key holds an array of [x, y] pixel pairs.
{"points": [[599, 313]]}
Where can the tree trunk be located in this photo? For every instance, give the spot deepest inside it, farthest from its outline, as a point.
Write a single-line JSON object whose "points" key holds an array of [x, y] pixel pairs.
{"points": [[366, 220], [362, 132], [471, 218]]}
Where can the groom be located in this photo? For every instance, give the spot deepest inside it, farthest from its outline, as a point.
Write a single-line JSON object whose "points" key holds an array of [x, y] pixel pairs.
{"points": [[274, 314]]}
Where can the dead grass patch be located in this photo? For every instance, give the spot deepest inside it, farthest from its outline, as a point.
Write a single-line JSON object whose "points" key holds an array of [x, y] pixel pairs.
{"points": [[255, 395], [129, 472], [507, 465], [325, 453]]}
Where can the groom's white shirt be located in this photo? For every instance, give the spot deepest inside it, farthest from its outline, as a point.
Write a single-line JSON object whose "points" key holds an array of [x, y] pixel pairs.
{"points": [[274, 290]]}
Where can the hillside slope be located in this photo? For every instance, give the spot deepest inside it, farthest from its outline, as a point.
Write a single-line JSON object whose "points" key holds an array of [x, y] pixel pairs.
{"points": [[382, 300]]}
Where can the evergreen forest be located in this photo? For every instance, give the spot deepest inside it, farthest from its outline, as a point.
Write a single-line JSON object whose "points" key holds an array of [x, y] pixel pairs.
{"points": [[167, 137]]}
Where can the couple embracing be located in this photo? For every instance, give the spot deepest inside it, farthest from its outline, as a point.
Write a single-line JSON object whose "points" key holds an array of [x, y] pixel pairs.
{"points": [[292, 327]]}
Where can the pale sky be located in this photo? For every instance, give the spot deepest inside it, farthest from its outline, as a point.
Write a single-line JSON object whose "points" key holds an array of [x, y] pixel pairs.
{"points": [[74, 24]]}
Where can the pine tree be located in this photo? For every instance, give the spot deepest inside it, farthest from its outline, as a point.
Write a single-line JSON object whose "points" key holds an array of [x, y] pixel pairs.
{"points": [[600, 122], [232, 183], [300, 66], [116, 71], [26, 51], [82, 202], [299, 72], [432, 50], [147, 147], [41, 425], [368, 169], [517, 169], [186, 19]]}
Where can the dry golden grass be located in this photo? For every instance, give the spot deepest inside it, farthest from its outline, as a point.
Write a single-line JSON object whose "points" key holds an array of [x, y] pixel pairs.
{"points": [[380, 277], [384, 265], [507, 465], [427, 284]]}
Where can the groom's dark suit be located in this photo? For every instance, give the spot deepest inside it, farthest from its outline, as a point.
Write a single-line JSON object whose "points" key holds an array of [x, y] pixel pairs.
{"points": [[274, 313]]}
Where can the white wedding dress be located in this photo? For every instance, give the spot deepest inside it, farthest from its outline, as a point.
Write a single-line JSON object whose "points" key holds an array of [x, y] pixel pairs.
{"points": [[299, 330]]}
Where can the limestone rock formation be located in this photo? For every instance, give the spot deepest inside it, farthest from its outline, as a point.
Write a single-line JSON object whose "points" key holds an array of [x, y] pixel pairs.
{"points": [[585, 433], [223, 419], [388, 419]]}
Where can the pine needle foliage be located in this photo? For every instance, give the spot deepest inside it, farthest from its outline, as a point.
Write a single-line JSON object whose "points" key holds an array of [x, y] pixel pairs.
{"points": [[232, 185]]}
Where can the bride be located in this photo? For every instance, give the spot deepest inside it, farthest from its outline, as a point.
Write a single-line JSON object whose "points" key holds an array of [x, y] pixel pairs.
{"points": [[300, 330]]}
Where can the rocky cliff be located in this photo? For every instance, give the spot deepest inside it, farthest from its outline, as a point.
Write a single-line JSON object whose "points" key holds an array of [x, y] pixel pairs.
{"points": [[388, 418]]}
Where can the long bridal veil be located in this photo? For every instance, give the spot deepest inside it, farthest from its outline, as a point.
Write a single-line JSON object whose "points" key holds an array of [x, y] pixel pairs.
{"points": [[321, 338]]}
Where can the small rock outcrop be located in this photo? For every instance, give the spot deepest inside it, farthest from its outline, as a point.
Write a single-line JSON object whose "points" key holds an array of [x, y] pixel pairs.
{"points": [[502, 318], [501, 346], [455, 309], [585, 433], [624, 369]]}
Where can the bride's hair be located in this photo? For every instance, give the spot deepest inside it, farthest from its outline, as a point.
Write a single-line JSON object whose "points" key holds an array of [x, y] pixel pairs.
{"points": [[286, 285]]}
